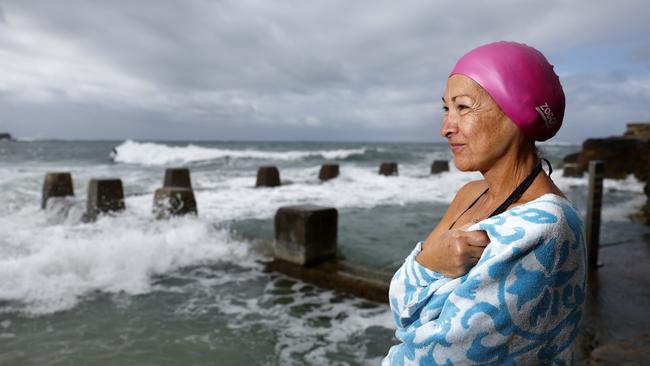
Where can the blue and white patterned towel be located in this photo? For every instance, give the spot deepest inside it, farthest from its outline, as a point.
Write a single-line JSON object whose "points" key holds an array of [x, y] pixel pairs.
{"points": [[520, 305]]}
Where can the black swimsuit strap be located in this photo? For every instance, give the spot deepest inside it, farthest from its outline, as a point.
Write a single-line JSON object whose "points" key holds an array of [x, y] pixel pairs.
{"points": [[523, 186], [550, 168], [514, 196]]}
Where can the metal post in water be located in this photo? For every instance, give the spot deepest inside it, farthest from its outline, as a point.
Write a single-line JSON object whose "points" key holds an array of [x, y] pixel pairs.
{"points": [[646, 208], [594, 205]]}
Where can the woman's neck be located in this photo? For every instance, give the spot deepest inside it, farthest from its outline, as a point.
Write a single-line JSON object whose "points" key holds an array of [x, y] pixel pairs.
{"points": [[507, 173]]}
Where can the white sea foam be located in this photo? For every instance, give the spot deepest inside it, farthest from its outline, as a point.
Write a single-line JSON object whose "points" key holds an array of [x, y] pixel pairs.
{"points": [[49, 260], [47, 268], [355, 187], [147, 153], [629, 184], [308, 328], [623, 208]]}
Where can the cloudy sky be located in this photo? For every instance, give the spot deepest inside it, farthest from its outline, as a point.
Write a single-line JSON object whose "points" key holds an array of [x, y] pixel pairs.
{"points": [[299, 70]]}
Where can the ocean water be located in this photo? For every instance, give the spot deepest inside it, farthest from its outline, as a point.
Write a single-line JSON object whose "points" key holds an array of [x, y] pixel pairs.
{"points": [[128, 289]]}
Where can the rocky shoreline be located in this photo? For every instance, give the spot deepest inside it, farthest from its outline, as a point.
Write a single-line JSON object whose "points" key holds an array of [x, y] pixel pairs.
{"points": [[622, 155]]}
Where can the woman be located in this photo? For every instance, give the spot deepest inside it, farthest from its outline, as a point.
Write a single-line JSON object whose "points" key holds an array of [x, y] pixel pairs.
{"points": [[500, 280]]}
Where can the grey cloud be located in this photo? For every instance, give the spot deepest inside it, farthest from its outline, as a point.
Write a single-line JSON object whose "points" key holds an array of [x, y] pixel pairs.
{"points": [[358, 67], [640, 54], [603, 102]]}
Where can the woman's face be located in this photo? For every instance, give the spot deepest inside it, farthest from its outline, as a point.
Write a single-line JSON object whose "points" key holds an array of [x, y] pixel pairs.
{"points": [[477, 131]]}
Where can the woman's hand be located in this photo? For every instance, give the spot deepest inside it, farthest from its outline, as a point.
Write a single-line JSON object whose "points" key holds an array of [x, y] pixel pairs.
{"points": [[454, 252]]}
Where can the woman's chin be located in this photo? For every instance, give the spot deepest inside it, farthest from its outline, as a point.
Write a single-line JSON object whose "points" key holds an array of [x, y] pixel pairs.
{"points": [[463, 166]]}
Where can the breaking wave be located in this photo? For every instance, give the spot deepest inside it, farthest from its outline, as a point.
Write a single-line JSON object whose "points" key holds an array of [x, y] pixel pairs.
{"points": [[149, 153]]}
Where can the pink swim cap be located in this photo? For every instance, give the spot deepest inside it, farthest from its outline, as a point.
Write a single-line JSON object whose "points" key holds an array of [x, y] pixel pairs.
{"points": [[522, 83]]}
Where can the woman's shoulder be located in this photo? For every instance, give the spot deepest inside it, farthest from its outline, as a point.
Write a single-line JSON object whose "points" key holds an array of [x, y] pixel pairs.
{"points": [[534, 223], [549, 208], [466, 195], [550, 201], [471, 190], [473, 186]]}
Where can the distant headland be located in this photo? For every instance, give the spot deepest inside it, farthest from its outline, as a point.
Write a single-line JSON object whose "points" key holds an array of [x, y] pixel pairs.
{"points": [[5, 136]]}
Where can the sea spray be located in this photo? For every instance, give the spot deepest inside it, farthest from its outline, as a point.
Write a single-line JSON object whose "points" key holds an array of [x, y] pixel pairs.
{"points": [[158, 154], [192, 290]]}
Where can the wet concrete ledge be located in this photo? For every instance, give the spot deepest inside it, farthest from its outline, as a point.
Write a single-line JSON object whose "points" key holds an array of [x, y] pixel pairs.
{"points": [[339, 275], [615, 325]]}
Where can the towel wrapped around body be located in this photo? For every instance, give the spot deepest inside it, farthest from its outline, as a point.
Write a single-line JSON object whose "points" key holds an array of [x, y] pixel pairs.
{"points": [[521, 304]]}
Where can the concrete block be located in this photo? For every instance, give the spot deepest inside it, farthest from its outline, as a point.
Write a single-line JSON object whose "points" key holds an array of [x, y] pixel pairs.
{"points": [[439, 166], [305, 234], [572, 170], [57, 184], [177, 177], [388, 168], [104, 196], [268, 176], [173, 201], [339, 275], [328, 171]]}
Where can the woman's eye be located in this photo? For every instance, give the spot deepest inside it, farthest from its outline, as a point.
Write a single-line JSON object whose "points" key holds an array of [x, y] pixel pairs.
{"points": [[445, 108], [462, 106]]}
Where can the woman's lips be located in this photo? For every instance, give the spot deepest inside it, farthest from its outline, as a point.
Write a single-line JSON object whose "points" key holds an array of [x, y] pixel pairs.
{"points": [[456, 147]]}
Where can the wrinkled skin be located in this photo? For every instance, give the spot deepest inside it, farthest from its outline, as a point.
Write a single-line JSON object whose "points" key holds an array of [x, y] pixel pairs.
{"points": [[482, 138]]}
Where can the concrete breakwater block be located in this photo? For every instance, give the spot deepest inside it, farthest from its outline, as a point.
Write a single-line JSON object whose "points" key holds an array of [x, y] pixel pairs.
{"points": [[439, 166], [177, 177], [305, 234], [572, 170], [173, 201], [104, 195], [328, 171], [57, 184], [268, 176], [388, 168]]}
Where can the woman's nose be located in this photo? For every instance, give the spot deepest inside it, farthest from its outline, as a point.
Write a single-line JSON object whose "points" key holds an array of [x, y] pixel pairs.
{"points": [[449, 125]]}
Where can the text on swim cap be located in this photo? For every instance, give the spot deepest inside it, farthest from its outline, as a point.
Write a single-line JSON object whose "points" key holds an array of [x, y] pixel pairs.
{"points": [[547, 115]]}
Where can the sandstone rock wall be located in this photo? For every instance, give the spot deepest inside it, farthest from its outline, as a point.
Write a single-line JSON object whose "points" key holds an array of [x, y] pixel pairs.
{"points": [[622, 156], [638, 130]]}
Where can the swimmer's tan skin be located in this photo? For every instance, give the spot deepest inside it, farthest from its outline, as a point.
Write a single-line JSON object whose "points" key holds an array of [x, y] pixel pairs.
{"points": [[482, 138]]}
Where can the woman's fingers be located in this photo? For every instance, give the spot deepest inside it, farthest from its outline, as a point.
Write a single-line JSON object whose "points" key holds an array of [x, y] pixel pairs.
{"points": [[453, 253], [477, 238], [474, 252]]}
